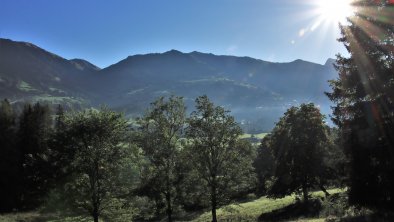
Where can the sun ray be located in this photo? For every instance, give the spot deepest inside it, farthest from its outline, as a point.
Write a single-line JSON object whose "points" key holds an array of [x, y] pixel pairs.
{"points": [[332, 12], [335, 10], [373, 31], [384, 15]]}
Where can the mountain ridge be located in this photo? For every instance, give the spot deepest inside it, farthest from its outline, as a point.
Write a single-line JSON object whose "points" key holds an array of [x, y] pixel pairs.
{"points": [[252, 88]]}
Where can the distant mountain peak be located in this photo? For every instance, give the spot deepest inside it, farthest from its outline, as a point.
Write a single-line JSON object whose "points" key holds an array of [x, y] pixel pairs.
{"points": [[173, 52], [330, 62], [200, 53], [298, 61], [82, 64]]}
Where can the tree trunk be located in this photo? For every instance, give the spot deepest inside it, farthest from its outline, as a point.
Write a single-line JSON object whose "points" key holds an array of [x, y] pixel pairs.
{"points": [[213, 202], [95, 215], [324, 191], [169, 207], [95, 198], [168, 195], [305, 192]]}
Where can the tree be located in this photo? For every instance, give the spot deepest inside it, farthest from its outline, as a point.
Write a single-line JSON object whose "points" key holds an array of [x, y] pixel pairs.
{"points": [[98, 139], [264, 165], [61, 153], [218, 156], [335, 159], [9, 159], [364, 95], [33, 134], [161, 128], [298, 144]]}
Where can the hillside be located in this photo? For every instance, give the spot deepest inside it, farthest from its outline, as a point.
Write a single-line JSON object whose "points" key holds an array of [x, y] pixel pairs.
{"points": [[29, 73], [257, 92]]}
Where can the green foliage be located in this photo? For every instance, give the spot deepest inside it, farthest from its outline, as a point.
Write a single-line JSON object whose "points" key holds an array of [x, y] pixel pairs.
{"points": [[34, 133], [28, 150], [97, 139], [264, 165], [219, 158], [91, 161], [160, 131], [297, 145], [335, 159], [335, 205], [364, 94], [9, 158]]}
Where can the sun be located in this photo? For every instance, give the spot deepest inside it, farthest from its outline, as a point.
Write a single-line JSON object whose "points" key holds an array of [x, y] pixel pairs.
{"points": [[334, 10]]}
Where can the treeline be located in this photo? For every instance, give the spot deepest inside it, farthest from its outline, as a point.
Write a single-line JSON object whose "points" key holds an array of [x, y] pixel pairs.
{"points": [[165, 163]]}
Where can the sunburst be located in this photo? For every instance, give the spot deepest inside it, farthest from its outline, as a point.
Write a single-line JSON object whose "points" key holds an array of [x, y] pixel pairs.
{"points": [[334, 11]]}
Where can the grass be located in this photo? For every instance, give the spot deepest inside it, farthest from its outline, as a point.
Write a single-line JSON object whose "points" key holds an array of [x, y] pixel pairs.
{"points": [[36, 216], [29, 216], [57, 99], [250, 211], [258, 136], [26, 87], [310, 220], [52, 89]]}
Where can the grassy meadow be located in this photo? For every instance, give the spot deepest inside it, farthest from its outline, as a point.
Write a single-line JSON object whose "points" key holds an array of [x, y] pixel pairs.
{"points": [[250, 211], [257, 136], [245, 211]]}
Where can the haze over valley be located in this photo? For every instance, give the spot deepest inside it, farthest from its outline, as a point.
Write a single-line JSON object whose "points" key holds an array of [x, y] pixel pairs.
{"points": [[256, 92]]}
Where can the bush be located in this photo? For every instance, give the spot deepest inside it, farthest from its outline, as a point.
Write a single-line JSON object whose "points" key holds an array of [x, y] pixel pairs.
{"points": [[335, 205]]}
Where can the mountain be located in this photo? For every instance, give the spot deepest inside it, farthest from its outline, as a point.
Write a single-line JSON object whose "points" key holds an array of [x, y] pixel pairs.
{"points": [[28, 72], [257, 92], [84, 65]]}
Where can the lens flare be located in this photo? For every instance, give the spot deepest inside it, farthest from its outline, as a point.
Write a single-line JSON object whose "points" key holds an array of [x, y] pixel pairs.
{"points": [[335, 10]]}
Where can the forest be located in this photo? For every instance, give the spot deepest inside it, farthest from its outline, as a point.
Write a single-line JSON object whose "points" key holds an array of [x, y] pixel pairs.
{"points": [[96, 162]]}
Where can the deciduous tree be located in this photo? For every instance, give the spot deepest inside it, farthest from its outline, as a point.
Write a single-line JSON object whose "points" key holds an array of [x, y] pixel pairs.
{"points": [[218, 156], [98, 138], [298, 144], [161, 128]]}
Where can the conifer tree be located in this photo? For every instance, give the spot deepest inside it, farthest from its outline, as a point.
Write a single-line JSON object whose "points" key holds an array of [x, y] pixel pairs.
{"points": [[33, 143], [364, 98], [9, 159]]}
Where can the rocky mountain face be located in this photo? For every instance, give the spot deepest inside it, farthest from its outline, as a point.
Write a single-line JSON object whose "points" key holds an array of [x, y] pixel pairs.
{"points": [[257, 92]]}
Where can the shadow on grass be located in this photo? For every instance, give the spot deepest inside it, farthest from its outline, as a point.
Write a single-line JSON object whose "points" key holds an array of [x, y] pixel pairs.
{"points": [[375, 217], [296, 210]]}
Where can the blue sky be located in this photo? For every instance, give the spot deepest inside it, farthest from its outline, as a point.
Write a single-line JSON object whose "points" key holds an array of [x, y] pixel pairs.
{"points": [[104, 32]]}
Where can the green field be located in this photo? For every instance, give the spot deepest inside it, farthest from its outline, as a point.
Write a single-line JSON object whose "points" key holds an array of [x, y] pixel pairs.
{"points": [[250, 211], [40, 217], [258, 136], [26, 87], [66, 101]]}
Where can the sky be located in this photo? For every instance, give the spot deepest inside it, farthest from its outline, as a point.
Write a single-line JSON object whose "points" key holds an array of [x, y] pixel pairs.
{"points": [[105, 32]]}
